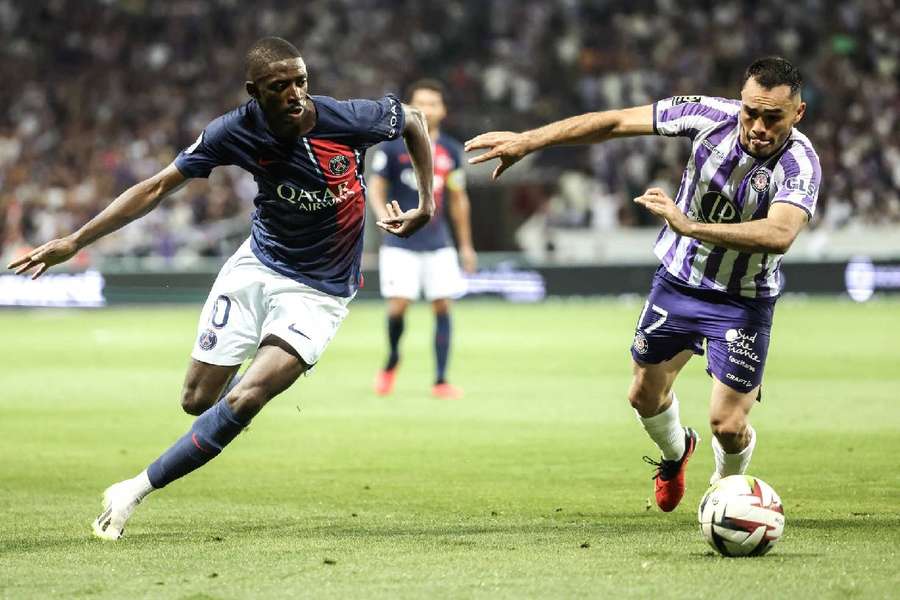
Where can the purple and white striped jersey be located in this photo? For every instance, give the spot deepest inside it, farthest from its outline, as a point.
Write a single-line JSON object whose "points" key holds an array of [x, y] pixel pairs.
{"points": [[722, 183]]}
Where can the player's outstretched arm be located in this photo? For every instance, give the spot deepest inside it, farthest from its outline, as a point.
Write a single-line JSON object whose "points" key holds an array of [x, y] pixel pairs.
{"points": [[590, 128], [773, 234], [132, 204], [418, 144]]}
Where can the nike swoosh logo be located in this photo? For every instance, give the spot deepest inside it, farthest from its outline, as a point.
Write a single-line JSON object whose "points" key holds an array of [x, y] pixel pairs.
{"points": [[264, 163], [292, 328], [197, 443]]}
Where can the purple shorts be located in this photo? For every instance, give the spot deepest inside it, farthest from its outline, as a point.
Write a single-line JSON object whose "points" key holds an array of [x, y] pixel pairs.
{"points": [[679, 317]]}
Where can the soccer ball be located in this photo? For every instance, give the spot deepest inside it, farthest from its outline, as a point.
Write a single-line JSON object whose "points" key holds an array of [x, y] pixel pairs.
{"points": [[741, 516]]}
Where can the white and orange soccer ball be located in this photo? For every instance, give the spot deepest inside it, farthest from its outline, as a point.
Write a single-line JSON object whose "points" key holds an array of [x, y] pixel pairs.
{"points": [[741, 516]]}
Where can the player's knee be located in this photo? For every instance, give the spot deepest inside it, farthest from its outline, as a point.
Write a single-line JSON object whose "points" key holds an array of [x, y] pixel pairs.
{"points": [[730, 430], [646, 398], [441, 307], [247, 400], [397, 307], [192, 401]]}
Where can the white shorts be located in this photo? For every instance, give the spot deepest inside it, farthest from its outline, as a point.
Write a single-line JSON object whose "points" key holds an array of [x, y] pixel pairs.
{"points": [[407, 273], [249, 301]]}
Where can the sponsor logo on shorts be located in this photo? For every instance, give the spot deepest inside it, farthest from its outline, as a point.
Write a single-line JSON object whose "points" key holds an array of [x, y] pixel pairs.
{"points": [[207, 340], [740, 343], [760, 180], [640, 344], [339, 164], [742, 363], [739, 380], [295, 330]]}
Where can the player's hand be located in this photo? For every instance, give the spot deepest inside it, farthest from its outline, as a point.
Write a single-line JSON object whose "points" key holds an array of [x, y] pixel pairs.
{"points": [[657, 202], [469, 259], [42, 258], [508, 146], [403, 224]]}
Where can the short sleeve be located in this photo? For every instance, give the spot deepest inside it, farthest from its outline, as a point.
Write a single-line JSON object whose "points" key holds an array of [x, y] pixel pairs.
{"points": [[802, 177], [687, 115], [378, 120], [206, 153], [456, 178]]}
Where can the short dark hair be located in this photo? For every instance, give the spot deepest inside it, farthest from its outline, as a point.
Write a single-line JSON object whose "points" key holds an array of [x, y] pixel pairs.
{"points": [[773, 71], [268, 50], [426, 84]]}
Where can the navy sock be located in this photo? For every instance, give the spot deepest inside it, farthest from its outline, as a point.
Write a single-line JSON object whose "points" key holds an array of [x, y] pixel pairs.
{"points": [[395, 330], [211, 431], [442, 345]]}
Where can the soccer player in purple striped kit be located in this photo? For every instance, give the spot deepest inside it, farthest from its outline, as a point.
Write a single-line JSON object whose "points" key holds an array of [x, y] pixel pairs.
{"points": [[748, 189], [282, 296]]}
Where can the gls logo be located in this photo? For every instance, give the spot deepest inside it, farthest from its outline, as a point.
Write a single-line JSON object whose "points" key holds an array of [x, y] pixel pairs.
{"points": [[796, 184], [715, 207]]}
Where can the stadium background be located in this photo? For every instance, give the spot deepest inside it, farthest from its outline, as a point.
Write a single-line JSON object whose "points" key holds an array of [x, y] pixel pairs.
{"points": [[106, 93], [530, 487]]}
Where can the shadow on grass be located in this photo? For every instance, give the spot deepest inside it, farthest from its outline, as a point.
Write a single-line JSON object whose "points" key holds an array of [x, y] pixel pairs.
{"points": [[226, 530], [598, 526], [775, 555]]}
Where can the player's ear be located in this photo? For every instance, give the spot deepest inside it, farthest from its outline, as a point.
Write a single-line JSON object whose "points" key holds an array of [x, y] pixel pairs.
{"points": [[801, 110], [252, 90]]}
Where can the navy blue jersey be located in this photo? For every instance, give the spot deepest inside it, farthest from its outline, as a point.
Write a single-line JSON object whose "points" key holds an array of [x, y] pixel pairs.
{"points": [[392, 161], [310, 208]]}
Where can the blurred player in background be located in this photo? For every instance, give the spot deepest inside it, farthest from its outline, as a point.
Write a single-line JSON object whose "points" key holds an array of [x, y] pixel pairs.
{"points": [[282, 296], [748, 189], [425, 263]]}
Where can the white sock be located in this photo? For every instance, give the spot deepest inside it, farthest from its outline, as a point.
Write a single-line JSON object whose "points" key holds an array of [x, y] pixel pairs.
{"points": [[665, 429], [141, 485], [732, 464]]}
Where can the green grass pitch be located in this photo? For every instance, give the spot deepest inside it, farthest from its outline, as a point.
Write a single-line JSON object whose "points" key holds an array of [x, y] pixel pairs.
{"points": [[532, 486]]}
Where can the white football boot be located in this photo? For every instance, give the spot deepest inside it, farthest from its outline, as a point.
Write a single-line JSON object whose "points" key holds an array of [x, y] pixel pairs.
{"points": [[119, 501]]}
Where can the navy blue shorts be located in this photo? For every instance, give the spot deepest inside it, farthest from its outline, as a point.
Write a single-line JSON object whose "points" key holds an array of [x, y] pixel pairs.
{"points": [[679, 317]]}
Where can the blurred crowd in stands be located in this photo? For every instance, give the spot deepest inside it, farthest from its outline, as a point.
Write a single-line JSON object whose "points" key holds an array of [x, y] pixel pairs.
{"points": [[100, 94]]}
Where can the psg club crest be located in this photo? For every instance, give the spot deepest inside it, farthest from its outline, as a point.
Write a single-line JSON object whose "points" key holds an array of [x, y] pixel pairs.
{"points": [[207, 340], [760, 180], [640, 343], [339, 164]]}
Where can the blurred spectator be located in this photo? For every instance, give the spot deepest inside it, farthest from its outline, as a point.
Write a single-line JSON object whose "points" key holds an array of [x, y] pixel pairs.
{"points": [[100, 94]]}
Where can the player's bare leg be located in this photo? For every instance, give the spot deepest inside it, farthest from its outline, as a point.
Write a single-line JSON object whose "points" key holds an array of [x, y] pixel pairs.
{"points": [[656, 406], [384, 381], [442, 389], [274, 369], [204, 384], [733, 437]]}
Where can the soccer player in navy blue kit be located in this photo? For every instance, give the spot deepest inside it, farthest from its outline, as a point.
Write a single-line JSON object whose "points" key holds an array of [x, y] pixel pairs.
{"points": [[281, 297], [425, 263]]}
